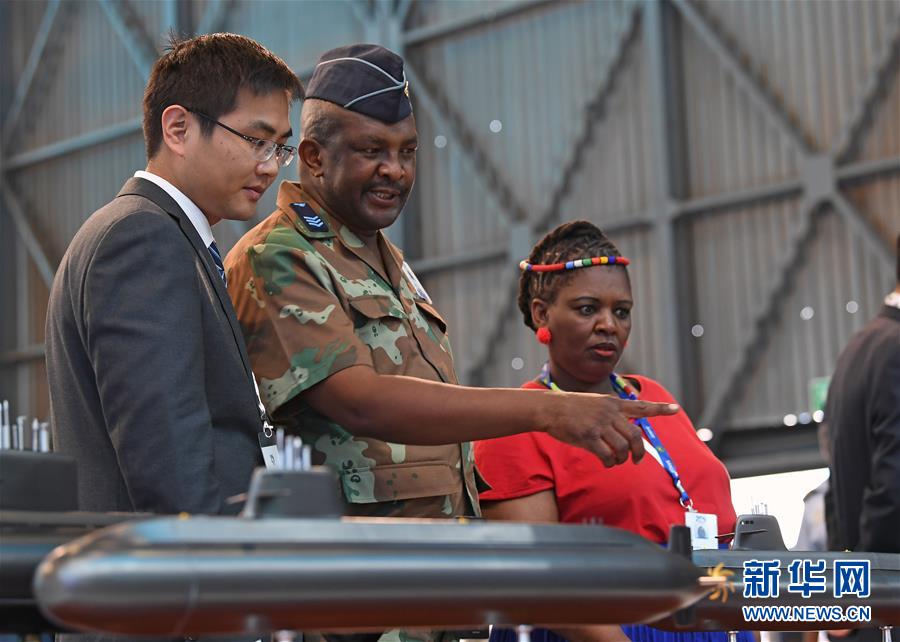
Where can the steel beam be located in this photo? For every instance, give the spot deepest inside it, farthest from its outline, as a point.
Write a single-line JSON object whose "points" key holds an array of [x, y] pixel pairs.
{"points": [[728, 381], [856, 221], [761, 97], [131, 34], [707, 204], [509, 286], [74, 144], [454, 26], [402, 10], [22, 314], [884, 73], [384, 9], [30, 69], [35, 251], [867, 169], [661, 94], [429, 266], [33, 352]]}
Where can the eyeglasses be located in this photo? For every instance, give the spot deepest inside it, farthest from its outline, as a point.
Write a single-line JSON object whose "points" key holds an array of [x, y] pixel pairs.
{"points": [[263, 150]]}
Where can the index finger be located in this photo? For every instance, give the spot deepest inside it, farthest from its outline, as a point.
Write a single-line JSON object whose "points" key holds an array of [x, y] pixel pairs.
{"points": [[634, 435], [636, 409]]}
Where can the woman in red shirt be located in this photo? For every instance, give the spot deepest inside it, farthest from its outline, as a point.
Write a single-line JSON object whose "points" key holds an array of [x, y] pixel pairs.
{"points": [[576, 294]]}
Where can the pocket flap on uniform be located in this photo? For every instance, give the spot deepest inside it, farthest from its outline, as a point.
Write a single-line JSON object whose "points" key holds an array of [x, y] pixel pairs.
{"points": [[432, 312], [376, 306], [393, 482]]}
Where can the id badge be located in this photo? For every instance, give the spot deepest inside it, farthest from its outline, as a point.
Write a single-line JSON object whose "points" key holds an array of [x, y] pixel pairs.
{"points": [[269, 449], [704, 528], [414, 282]]}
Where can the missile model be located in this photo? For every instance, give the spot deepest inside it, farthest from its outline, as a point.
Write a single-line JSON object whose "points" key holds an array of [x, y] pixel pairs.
{"points": [[291, 562], [220, 575]]}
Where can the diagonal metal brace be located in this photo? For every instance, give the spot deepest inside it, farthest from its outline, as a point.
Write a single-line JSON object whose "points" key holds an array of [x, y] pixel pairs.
{"points": [[31, 67], [857, 222], [29, 238], [593, 113], [439, 107], [729, 381], [754, 89], [885, 72], [131, 32]]}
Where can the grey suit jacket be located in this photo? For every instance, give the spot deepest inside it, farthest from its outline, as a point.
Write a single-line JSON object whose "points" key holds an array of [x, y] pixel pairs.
{"points": [[150, 384]]}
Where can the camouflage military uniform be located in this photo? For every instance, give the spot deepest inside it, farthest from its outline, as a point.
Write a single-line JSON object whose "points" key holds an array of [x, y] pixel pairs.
{"points": [[313, 299]]}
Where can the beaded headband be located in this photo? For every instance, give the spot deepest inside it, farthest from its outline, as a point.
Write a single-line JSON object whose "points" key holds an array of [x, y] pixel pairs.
{"points": [[525, 266]]}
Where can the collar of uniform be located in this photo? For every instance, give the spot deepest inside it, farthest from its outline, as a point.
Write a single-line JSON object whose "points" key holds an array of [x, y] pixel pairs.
{"points": [[394, 266], [291, 194]]}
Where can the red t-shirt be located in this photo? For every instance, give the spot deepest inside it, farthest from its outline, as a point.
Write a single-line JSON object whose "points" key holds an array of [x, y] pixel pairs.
{"points": [[639, 498]]}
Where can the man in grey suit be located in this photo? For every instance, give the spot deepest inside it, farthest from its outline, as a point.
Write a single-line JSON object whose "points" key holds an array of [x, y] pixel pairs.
{"points": [[150, 386]]}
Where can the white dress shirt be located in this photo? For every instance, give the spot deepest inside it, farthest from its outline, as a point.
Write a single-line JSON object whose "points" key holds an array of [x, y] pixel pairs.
{"points": [[187, 205]]}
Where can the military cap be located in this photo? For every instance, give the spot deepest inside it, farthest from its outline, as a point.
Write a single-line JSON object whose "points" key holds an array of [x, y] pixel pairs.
{"points": [[367, 79]]}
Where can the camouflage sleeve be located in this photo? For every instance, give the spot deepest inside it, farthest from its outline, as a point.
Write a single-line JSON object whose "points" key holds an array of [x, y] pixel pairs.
{"points": [[298, 331]]}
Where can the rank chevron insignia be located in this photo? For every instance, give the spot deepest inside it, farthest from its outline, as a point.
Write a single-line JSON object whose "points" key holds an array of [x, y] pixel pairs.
{"points": [[314, 222]]}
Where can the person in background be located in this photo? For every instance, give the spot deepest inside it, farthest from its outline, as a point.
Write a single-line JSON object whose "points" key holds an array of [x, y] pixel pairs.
{"points": [[575, 293], [863, 414]]}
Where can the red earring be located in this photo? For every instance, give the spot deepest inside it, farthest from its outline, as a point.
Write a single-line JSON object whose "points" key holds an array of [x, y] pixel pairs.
{"points": [[544, 335]]}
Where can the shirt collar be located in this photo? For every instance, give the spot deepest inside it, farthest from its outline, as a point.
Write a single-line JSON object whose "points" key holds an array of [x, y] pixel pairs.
{"points": [[196, 217]]}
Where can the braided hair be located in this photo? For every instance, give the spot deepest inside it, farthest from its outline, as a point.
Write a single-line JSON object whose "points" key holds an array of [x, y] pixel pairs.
{"points": [[569, 241]]}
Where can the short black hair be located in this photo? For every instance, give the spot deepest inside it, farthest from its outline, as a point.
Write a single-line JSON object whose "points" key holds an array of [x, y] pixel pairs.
{"points": [[205, 73], [569, 241]]}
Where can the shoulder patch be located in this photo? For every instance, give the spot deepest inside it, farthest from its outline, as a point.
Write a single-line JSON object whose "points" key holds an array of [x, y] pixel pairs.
{"points": [[311, 223]]}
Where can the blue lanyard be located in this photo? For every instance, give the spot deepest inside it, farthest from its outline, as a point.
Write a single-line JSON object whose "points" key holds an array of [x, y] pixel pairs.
{"points": [[664, 457]]}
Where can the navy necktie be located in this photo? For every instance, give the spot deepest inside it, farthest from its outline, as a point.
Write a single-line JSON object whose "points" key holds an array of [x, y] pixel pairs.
{"points": [[217, 259]]}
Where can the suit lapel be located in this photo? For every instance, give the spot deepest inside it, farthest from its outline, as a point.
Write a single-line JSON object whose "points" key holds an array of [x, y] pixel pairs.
{"points": [[152, 192]]}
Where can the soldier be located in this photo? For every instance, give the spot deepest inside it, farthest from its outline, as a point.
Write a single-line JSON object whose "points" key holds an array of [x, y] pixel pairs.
{"points": [[348, 348]]}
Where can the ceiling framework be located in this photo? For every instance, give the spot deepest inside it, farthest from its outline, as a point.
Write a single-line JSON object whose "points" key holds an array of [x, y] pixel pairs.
{"points": [[615, 121]]}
